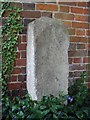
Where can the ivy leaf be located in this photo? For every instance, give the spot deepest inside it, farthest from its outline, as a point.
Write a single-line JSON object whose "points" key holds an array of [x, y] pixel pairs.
{"points": [[14, 107]]}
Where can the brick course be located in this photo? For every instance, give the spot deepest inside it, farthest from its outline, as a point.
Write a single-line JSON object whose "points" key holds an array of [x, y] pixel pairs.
{"points": [[75, 16], [80, 25], [77, 10], [64, 16], [47, 7]]}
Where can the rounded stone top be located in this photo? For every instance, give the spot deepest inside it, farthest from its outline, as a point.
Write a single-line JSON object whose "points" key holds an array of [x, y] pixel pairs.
{"points": [[43, 23]]}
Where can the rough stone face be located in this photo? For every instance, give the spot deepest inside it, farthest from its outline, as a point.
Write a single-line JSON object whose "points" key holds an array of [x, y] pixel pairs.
{"points": [[47, 58]]}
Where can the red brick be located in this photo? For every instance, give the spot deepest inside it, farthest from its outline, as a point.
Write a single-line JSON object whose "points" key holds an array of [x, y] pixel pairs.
{"points": [[82, 4], [13, 78], [19, 38], [24, 39], [21, 77], [16, 70], [24, 30], [71, 31], [77, 67], [72, 46], [88, 39], [27, 21], [86, 11], [15, 63], [80, 32], [64, 16], [77, 60], [88, 84], [21, 62], [88, 46], [24, 85], [77, 10], [23, 88], [28, 6], [80, 46], [47, 14], [14, 86], [23, 70], [86, 60], [68, 23], [68, 3], [78, 53], [48, 7], [88, 32], [15, 4], [64, 9], [81, 18], [22, 46], [70, 60], [23, 54], [78, 39], [30, 14], [18, 55], [80, 25]]}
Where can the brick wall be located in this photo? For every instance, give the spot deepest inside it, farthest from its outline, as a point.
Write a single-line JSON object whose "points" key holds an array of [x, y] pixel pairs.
{"points": [[75, 16]]}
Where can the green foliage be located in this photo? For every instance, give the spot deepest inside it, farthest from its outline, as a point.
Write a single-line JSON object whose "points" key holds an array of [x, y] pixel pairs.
{"points": [[10, 32], [51, 108], [78, 89], [81, 103], [4, 6], [10, 37]]}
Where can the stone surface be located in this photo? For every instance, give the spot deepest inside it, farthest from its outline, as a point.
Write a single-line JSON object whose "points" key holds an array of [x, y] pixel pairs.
{"points": [[47, 58]]}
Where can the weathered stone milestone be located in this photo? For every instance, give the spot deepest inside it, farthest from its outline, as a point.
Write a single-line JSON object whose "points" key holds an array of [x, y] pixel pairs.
{"points": [[47, 58]]}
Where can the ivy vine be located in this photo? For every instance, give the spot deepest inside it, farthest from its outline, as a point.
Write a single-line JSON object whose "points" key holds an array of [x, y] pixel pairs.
{"points": [[10, 32]]}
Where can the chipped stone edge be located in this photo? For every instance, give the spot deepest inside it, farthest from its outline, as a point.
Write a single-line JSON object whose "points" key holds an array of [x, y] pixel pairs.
{"points": [[31, 62]]}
